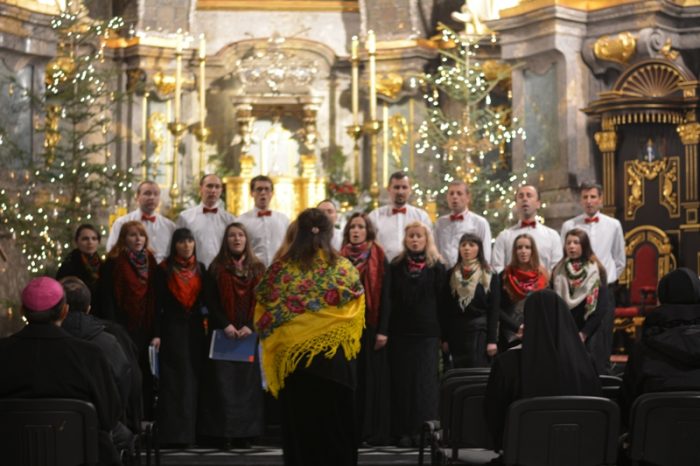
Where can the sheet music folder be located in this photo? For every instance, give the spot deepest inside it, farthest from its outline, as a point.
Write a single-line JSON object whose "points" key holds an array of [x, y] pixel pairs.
{"points": [[232, 349]]}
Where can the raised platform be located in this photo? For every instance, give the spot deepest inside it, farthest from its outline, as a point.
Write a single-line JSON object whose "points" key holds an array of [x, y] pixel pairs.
{"points": [[272, 456]]}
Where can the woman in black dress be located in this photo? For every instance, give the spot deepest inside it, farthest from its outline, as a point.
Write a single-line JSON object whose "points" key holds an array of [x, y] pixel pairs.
{"points": [[180, 337], [373, 396], [417, 279], [84, 262], [580, 280], [470, 307], [232, 402]]}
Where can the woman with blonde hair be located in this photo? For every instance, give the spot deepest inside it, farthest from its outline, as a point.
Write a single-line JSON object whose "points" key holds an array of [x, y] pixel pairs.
{"points": [[416, 276]]}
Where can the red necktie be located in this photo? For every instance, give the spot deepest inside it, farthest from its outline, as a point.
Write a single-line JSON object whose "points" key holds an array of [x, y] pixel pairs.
{"points": [[395, 211], [213, 210], [264, 213], [592, 219], [148, 218], [455, 217], [528, 223]]}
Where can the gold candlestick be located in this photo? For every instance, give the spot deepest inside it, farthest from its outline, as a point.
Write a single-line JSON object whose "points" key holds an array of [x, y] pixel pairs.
{"points": [[177, 129], [203, 132], [372, 128], [355, 132]]}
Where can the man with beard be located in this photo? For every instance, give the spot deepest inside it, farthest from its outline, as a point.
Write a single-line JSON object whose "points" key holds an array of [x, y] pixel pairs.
{"points": [[527, 202], [265, 227], [390, 220]]}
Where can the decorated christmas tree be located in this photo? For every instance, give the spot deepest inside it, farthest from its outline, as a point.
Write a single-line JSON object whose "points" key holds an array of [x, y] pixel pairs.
{"points": [[469, 126], [72, 178]]}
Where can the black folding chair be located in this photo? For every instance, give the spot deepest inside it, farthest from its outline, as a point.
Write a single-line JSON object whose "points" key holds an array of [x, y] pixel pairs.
{"points": [[461, 372], [438, 431], [561, 430], [665, 428], [48, 432], [611, 386]]}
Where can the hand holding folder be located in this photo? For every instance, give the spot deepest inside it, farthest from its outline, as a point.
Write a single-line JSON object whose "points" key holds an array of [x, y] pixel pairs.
{"points": [[232, 349]]}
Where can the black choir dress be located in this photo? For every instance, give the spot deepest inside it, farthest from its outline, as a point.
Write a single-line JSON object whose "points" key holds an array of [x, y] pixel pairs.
{"points": [[468, 331], [414, 342], [73, 265], [182, 355], [232, 399]]}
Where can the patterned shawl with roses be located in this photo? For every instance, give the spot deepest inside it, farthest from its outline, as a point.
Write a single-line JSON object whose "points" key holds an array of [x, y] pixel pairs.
{"points": [[300, 314]]}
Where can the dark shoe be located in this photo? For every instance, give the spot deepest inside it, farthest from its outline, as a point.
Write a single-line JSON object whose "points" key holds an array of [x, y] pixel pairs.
{"points": [[404, 442]]}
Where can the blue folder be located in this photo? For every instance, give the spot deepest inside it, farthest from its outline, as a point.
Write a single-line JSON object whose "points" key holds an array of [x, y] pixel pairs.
{"points": [[232, 349]]}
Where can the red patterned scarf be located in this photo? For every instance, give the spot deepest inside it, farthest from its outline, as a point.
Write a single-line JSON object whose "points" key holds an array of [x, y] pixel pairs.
{"points": [[519, 283], [237, 292], [133, 288], [92, 265], [368, 259], [184, 282]]}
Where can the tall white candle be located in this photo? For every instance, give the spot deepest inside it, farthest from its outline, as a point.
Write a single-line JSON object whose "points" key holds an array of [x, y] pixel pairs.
{"points": [[372, 50], [355, 80], [178, 75]]}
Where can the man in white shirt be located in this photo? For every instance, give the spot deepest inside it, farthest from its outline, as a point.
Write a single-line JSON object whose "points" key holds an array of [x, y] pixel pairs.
{"points": [[450, 228], [266, 228], [328, 207], [608, 243], [390, 220], [527, 202], [208, 220], [159, 229]]}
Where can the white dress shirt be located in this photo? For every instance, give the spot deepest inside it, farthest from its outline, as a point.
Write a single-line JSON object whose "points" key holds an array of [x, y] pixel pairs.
{"points": [[266, 233], [607, 241], [208, 229], [390, 227], [337, 240], [448, 232], [159, 232], [548, 245]]}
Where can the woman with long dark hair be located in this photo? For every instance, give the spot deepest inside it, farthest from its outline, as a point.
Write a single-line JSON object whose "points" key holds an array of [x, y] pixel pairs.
{"points": [[84, 261], [417, 280], [232, 402], [524, 275], [310, 315], [373, 396], [580, 280], [470, 307], [180, 337]]}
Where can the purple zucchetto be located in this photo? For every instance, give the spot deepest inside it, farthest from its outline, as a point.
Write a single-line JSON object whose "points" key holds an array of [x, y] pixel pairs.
{"points": [[41, 294]]}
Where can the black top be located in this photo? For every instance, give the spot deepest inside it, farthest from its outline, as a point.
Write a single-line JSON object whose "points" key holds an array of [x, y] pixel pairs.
{"points": [[73, 266], [482, 312], [168, 308], [414, 300], [552, 361], [590, 325]]}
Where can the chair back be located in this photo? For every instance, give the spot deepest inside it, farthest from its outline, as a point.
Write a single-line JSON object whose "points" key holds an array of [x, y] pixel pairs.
{"points": [[649, 257], [462, 371], [665, 428], [611, 386], [48, 432], [561, 430], [447, 389], [468, 424]]}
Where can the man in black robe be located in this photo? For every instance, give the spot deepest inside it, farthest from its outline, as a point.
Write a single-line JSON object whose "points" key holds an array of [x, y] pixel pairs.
{"points": [[44, 361]]}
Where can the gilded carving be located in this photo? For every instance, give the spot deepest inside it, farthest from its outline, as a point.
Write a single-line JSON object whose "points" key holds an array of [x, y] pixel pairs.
{"points": [[494, 69], [639, 171], [667, 51], [606, 140], [157, 131], [389, 85], [617, 49], [165, 83], [689, 133], [134, 77], [399, 137]]}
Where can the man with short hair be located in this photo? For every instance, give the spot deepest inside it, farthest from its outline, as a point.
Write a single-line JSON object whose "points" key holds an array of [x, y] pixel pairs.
{"points": [[450, 228], [328, 207], [208, 220], [159, 228], [608, 244], [527, 202], [390, 220], [266, 228], [44, 361]]}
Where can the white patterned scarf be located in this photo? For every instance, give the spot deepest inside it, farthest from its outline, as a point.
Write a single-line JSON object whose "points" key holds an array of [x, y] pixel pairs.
{"points": [[465, 277], [576, 281]]}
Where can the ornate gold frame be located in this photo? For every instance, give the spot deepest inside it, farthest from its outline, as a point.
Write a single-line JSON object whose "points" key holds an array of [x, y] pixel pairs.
{"points": [[639, 171], [655, 236], [280, 5]]}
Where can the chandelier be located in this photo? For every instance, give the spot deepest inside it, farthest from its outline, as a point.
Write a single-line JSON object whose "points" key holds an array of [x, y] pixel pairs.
{"points": [[272, 67]]}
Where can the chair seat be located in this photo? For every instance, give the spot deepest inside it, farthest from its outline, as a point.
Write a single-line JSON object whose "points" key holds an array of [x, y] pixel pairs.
{"points": [[475, 456], [626, 312]]}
